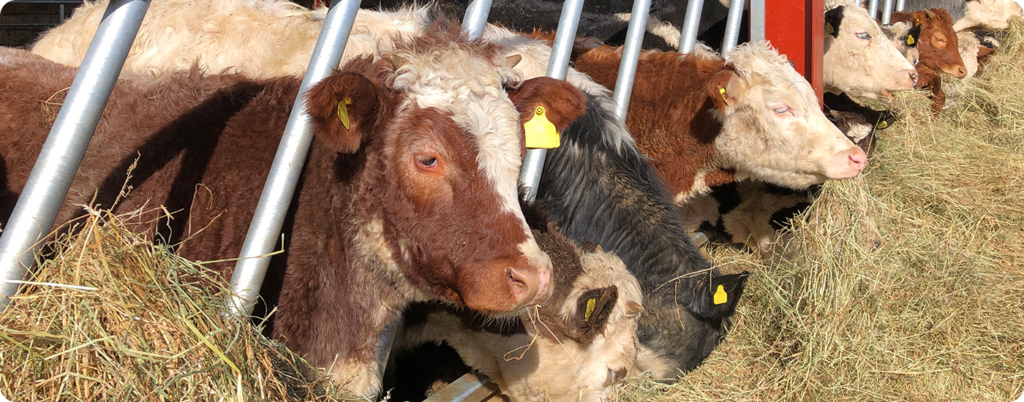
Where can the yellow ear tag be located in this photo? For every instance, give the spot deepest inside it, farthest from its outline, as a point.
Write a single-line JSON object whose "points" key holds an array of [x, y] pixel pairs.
{"points": [[829, 29], [540, 132], [910, 40], [720, 296], [591, 304], [343, 112], [882, 125], [721, 91]]}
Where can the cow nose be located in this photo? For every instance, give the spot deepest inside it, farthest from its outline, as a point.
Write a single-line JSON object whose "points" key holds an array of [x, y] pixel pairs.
{"points": [[913, 77], [961, 71], [529, 289], [859, 159]]}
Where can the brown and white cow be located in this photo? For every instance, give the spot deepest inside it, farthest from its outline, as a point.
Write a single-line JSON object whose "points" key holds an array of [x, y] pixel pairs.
{"points": [[705, 120], [413, 198], [859, 60], [932, 34], [578, 346]]}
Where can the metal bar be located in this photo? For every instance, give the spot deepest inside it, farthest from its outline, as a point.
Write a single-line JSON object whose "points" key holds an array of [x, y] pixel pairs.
{"points": [[64, 148], [291, 155], [470, 387], [475, 19], [886, 12], [558, 65], [732, 26], [900, 5], [630, 56], [873, 8], [61, 7], [691, 23], [757, 13]]}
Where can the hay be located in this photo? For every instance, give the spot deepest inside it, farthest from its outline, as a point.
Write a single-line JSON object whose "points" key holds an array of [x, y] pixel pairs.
{"points": [[113, 317], [904, 284]]}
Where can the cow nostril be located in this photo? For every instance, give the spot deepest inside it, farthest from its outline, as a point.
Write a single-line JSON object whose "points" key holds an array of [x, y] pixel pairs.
{"points": [[515, 279], [858, 159], [913, 77]]}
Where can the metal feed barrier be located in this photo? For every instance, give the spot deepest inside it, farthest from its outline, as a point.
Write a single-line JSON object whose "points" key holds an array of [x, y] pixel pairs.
{"points": [[75, 123]]}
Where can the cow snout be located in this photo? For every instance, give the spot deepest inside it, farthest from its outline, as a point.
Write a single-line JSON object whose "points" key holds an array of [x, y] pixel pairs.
{"points": [[847, 164], [913, 78], [530, 285], [961, 71], [955, 70], [905, 79], [859, 159]]}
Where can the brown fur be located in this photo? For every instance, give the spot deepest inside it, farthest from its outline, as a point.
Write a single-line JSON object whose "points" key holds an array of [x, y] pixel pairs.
{"points": [[670, 113], [368, 230]]}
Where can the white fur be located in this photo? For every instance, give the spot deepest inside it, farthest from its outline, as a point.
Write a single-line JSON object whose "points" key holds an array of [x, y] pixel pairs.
{"points": [[991, 15], [550, 369]]}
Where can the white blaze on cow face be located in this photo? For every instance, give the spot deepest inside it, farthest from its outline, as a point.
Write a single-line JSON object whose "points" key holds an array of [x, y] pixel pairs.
{"points": [[470, 90], [859, 59], [773, 127]]}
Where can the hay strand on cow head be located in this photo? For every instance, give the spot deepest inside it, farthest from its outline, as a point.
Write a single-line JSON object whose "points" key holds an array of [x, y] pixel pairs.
{"points": [[112, 317], [906, 283]]}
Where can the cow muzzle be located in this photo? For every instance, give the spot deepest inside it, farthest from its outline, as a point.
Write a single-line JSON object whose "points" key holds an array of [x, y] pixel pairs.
{"points": [[507, 284]]}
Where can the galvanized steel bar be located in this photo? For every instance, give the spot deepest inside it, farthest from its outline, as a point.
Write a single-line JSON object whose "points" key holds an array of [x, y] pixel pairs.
{"points": [[691, 23], [900, 5], [291, 155], [886, 12], [64, 148], [630, 56], [732, 26], [558, 65], [757, 13], [873, 8], [475, 19]]}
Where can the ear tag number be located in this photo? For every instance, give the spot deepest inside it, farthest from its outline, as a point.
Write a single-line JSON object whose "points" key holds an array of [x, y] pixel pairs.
{"points": [[910, 40], [343, 112], [720, 296], [829, 29], [591, 304], [540, 132]]}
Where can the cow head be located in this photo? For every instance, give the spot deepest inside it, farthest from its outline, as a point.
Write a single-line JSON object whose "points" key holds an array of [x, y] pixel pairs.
{"points": [[991, 15], [442, 146], [859, 60], [937, 42], [773, 128]]}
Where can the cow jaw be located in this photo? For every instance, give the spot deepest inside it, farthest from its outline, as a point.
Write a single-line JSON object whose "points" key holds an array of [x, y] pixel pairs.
{"points": [[776, 131]]}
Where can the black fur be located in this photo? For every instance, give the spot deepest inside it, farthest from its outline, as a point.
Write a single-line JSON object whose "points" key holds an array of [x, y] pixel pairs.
{"points": [[833, 19], [616, 200]]}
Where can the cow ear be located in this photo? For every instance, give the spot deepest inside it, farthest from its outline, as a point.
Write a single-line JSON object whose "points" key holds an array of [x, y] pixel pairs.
{"points": [[593, 308], [725, 291], [919, 17], [344, 109], [833, 18], [726, 89], [913, 35], [562, 102]]}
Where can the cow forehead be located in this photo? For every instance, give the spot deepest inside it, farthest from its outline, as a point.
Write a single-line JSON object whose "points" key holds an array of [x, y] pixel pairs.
{"points": [[764, 68], [468, 86]]}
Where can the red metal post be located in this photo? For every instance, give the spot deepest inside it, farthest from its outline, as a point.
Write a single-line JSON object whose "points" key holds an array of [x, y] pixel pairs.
{"points": [[796, 28]]}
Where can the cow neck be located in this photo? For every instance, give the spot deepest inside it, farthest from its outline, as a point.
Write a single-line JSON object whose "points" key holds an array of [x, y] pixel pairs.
{"points": [[671, 115]]}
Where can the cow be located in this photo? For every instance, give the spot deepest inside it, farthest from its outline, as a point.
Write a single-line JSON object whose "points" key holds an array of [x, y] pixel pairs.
{"points": [[972, 14], [256, 38], [705, 120], [938, 47], [858, 59], [578, 346], [408, 192]]}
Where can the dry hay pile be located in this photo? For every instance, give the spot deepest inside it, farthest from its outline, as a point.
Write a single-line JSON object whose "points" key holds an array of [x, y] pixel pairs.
{"points": [[113, 317], [906, 283]]}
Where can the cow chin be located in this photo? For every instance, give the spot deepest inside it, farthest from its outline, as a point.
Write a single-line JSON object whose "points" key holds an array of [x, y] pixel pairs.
{"points": [[506, 285]]}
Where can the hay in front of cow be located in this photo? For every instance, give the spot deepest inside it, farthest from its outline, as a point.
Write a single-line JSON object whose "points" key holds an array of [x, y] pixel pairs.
{"points": [[111, 316], [906, 283]]}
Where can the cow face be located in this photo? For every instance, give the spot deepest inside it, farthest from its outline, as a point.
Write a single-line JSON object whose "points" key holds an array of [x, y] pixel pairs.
{"points": [[937, 43], [989, 15], [442, 143], [773, 128], [859, 60]]}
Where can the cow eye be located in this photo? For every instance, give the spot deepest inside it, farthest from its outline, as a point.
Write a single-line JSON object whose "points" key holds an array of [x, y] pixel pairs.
{"points": [[782, 111], [864, 36], [426, 161]]}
